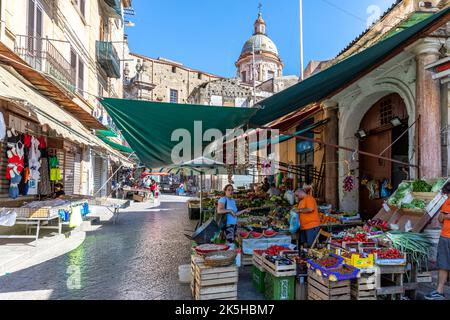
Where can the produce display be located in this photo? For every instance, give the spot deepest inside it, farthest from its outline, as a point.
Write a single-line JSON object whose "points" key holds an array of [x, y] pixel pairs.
{"points": [[389, 253], [415, 204], [329, 261], [376, 225], [415, 245], [270, 233], [403, 189], [349, 184], [421, 186], [256, 235], [326, 219]]}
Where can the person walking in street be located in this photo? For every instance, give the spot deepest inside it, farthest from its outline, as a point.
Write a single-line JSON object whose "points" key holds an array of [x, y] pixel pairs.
{"points": [[309, 218], [443, 256], [227, 206]]}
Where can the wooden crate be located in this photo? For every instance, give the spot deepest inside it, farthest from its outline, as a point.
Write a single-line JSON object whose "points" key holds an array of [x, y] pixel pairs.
{"points": [[394, 276], [279, 270], [424, 277], [138, 198], [320, 288], [247, 260], [213, 283], [258, 262], [365, 287]]}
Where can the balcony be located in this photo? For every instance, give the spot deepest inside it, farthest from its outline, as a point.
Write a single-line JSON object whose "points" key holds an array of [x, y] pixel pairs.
{"points": [[112, 8], [108, 58], [43, 56]]}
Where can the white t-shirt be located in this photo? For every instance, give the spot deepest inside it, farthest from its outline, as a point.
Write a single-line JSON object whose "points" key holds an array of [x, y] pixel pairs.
{"points": [[2, 127]]}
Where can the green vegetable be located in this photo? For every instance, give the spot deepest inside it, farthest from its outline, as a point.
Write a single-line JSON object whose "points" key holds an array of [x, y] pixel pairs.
{"points": [[415, 204], [421, 186], [401, 192], [438, 185], [416, 245]]}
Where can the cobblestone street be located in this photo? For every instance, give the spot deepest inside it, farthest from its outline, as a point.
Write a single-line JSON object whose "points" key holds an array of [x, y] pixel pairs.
{"points": [[137, 258]]}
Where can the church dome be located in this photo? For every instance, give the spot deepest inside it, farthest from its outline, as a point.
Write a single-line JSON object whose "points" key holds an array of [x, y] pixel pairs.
{"points": [[261, 43]]}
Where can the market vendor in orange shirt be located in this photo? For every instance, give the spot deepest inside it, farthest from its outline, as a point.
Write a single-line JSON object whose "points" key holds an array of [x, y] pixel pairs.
{"points": [[309, 218], [443, 256]]}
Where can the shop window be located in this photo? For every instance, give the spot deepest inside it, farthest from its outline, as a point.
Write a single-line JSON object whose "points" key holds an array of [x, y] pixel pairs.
{"points": [[385, 111]]}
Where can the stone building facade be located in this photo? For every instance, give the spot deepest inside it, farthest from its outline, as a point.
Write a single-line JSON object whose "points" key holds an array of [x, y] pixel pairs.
{"points": [[161, 79]]}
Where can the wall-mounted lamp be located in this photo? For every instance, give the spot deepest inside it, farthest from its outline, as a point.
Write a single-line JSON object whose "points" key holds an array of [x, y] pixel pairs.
{"points": [[396, 121], [361, 134]]}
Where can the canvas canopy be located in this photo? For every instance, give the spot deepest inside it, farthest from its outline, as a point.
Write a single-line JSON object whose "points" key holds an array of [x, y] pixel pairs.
{"points": [[153, 129]]}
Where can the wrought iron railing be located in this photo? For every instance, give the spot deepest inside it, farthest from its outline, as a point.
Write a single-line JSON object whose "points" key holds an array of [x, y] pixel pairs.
{"points": [[43, 56], [108, 58]]}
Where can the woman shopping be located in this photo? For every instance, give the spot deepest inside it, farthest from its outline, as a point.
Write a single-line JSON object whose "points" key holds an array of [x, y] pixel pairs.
{"points": [[228, 213]]}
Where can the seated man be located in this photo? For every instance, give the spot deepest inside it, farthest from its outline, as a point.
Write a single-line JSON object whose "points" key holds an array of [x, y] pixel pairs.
{"points": [[59, 191], [273, 191]]}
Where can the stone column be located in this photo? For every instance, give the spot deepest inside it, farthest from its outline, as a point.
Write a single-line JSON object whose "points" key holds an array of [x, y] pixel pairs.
{"points": [[331, 154], [428, 100]]}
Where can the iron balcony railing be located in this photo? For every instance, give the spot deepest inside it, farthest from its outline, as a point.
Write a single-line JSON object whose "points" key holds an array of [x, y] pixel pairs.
{"points": [[108, 58], [43, 56]]}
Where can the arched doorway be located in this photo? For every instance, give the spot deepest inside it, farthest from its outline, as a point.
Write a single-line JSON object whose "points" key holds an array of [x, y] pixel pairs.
{"points": [[381, 131]]}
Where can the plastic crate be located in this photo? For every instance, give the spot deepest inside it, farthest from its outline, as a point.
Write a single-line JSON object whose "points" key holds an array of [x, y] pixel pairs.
{"points": [[390, 262], [258, 279], [313, 265], [279, 288], [336, 276], [360, 262]]}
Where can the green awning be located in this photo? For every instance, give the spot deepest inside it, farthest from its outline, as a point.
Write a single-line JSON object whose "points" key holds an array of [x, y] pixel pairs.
{"points": [[148, 126], [106, 133], [324, 83], [116, 146]]}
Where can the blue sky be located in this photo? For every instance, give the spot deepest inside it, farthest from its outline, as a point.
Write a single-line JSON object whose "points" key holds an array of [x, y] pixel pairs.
{"points": [[209, 34]]}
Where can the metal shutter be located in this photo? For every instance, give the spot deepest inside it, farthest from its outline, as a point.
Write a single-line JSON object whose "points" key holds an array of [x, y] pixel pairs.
{"points": [[98, 170], [69, 166], [4, 183], [77, 174]]}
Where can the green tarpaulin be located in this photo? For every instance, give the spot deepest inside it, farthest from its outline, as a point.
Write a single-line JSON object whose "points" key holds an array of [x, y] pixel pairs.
{"points": [[148, 126], [319, 86], [115, 145]]}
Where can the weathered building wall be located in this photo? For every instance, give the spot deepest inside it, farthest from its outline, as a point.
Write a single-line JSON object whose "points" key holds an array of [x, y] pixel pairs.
{"points": [[165, 75]]}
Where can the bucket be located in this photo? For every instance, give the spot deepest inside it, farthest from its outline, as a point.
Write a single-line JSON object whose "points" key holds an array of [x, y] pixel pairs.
{"points": [[435, 235], [184, 273]]}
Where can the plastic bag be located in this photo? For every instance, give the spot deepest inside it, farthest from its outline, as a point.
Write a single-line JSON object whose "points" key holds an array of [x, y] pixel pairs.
{"points": [[294, 222]]}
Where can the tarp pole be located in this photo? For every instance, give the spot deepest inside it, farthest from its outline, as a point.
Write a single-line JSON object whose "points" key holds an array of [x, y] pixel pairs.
{"points": [[351, 150]]}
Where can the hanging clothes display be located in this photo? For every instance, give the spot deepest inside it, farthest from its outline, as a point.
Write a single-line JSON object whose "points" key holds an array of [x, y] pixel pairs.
{"points": [[15, 163], [55, 171], [14, 186], [44, 187], [34, 164], [2, 127]]}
